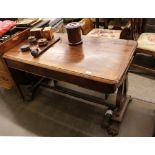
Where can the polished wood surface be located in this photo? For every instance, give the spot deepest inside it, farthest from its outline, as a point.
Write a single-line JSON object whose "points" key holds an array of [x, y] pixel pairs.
{"points": [[103, 60]]}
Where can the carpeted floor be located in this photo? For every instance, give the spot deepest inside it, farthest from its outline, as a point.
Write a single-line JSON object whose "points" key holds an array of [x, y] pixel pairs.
{"points": [[142, 87], [54, 115]]}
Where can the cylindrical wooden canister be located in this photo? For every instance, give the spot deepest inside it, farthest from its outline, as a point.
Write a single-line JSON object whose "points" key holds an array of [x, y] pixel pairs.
{"points": [[74, 33]]}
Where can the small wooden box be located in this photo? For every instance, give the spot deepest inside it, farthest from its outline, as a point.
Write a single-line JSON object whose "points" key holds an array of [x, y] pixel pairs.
{"points": [[37, 32], [47, 33]]}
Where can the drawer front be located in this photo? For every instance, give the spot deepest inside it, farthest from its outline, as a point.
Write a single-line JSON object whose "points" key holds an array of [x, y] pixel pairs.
{"points": [[5, 80]]}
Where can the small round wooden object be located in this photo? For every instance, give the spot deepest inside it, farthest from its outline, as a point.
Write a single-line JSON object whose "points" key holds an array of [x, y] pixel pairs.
{"points": [[34, 51], [42, 42], [32, 40], [74, 33]]}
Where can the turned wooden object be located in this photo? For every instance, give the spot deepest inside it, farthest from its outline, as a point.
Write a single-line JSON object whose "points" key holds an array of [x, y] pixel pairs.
{"points": [[74, 33]]}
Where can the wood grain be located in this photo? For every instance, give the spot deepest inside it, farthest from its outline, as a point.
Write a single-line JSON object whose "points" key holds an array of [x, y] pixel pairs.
{"points": [[103, 60]]}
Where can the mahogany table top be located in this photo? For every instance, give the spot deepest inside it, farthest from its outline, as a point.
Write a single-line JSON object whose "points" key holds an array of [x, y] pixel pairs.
{"points": [[99, 59]]}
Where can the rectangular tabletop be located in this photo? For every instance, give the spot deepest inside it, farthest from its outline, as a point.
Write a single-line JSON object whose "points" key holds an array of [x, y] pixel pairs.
{"points": [[103, 60]]}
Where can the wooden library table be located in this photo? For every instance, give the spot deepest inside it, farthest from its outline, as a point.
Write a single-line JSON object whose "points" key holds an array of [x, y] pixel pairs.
{"points": [[97, 64]]}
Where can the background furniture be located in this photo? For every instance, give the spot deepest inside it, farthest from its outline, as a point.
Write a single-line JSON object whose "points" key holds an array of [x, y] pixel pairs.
{"points": [[113, 28], [86, 25], [105, 33], [145, 53], [57, 25], [16, 36]]}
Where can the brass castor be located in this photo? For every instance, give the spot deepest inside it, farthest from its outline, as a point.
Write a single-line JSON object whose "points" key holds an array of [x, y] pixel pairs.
{"points": [[107, 119], [113, 129]]}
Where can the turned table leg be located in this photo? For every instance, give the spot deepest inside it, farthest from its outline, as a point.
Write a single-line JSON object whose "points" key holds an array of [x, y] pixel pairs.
{"points": [[16, 82], [113, 117], [24, 87]]}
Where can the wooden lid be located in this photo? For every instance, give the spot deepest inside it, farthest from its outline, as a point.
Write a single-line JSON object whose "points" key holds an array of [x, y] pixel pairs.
{"points": [[72, 25]]}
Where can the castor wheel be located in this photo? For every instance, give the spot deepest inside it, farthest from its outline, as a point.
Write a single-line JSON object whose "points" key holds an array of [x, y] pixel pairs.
{"points": [[113, 129], [107, 119]]}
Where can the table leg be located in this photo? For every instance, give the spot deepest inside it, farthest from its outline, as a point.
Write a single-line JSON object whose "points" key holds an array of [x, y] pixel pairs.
{"points": [[122, 101], [113, 117], [25, 84], [16, 82]]}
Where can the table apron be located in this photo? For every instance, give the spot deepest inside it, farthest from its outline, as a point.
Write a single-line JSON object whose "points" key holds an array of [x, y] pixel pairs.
{"points": [[61, 76]]}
